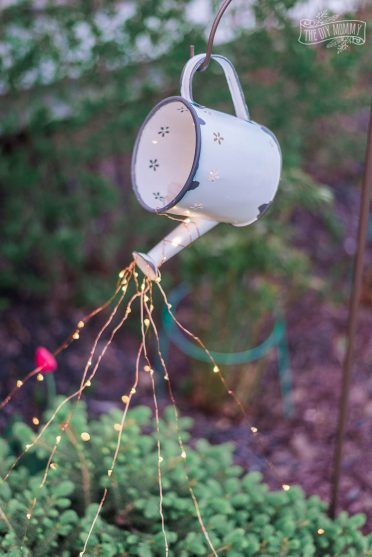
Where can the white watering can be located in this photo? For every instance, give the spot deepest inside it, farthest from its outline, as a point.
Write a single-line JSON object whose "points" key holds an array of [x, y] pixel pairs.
{"points": [[202, 164]]}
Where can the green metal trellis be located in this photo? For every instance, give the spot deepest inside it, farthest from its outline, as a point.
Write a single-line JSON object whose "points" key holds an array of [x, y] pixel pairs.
{"points": [[276, 340]]}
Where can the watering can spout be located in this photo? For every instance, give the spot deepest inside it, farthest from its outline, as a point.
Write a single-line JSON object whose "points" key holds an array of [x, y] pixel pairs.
{"points": [[182, 236]]}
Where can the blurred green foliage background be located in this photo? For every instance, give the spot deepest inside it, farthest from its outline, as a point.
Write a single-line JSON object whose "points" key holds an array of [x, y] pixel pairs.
{"points": [[76, 81]]}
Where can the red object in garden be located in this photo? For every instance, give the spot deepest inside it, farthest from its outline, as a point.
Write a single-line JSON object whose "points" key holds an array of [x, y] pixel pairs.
{"points": [[45, 360]]}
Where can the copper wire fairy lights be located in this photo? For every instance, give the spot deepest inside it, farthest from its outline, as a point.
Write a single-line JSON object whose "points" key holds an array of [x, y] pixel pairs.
{"points": [[37, 371], [143, 292], [183, 454], [229, 391], [123, 285], [126, 399], [156, 410]]}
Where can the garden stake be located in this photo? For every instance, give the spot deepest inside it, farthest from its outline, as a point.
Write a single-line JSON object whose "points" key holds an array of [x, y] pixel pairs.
{"points": [[352, 320]]}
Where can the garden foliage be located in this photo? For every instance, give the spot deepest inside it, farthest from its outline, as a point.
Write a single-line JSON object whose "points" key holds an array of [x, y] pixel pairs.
{"points": [[76, 81], [242, 516]]}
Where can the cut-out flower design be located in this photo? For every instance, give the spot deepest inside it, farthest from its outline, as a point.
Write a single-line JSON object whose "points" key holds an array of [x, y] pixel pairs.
{"points": [[154, 164], [217, 137], [163, 131], [213, 176], [157, 195]]}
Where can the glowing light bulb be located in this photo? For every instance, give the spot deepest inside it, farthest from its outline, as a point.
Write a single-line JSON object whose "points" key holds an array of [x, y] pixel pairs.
{"points": [[183, 454], [321, 531], [147, 368], [146, 298], [76, 335], [40, 377], [160, 459], [53, 466], [81, 324], [147, 322], [28, 516], [286, 487], [35, 420], [254, 429], [109, 472], [121, 274], [85, 436], [216, 369], [19, 383], [125, 399], [132, 391], [58, 439]]}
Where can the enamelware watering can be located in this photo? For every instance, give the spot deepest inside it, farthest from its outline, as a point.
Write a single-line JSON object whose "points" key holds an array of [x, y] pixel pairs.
{"points": [[202, 164]]}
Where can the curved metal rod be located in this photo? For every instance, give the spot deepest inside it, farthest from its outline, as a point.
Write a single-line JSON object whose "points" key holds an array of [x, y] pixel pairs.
{"points": [[212, 33]]}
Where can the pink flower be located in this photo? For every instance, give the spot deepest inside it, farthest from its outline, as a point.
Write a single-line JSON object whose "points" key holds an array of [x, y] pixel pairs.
{"points": [[45, 360]]}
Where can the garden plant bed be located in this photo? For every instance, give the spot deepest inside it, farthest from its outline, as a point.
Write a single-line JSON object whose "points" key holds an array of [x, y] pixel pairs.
{"points": [[300, 447]]}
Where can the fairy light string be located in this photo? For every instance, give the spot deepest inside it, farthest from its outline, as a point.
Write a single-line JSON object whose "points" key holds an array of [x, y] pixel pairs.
{"points": [[150, 370], [145, 288], [84, 384], [78, 394], [216, 369], [183, 453], [126, 399], [4, 517], [143, 291], [75, 335]]}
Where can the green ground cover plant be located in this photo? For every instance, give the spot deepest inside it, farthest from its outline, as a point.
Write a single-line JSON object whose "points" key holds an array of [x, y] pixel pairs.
{"points": [[242, 516]]}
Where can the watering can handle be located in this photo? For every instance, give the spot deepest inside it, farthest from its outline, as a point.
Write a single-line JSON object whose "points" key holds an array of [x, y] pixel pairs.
{"points": [[237, 95]]}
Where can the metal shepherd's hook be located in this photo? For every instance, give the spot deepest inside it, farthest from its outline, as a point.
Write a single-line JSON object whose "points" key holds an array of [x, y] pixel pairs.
{"points": [[212, 34]]}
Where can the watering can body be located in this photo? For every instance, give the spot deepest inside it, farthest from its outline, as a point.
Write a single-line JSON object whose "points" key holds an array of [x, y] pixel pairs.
{"points": [[202, 164]]}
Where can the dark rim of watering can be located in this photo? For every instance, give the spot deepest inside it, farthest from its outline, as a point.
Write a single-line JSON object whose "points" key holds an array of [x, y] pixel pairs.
{"points": [[195, 163]]}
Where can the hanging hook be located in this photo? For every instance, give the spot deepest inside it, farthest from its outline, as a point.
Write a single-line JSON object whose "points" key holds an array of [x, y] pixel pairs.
{"points": [[212, 33]]}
